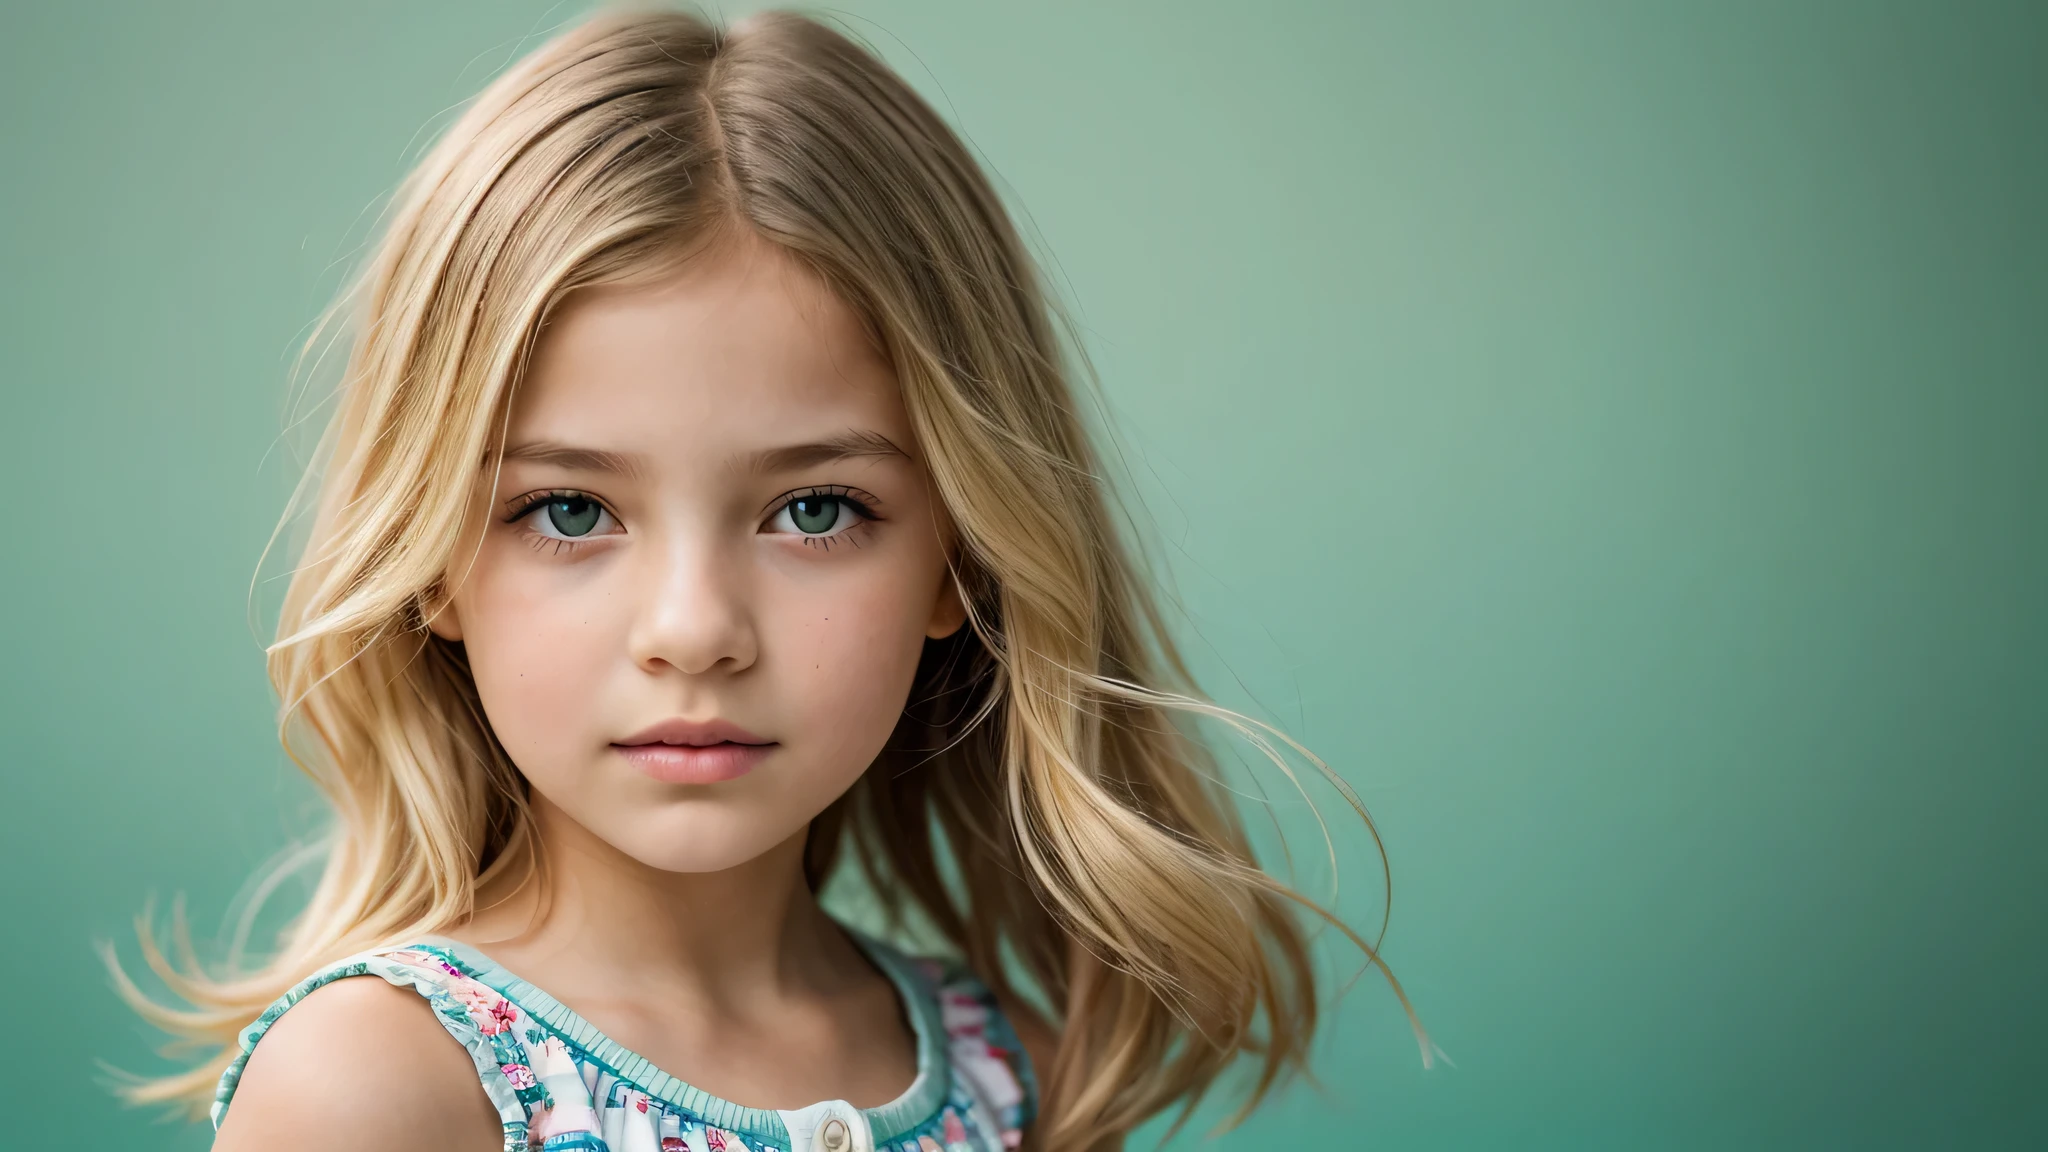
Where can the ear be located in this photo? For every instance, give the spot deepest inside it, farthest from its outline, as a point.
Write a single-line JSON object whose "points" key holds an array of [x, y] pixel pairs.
{"points": [[949, 612], [438, 609]]}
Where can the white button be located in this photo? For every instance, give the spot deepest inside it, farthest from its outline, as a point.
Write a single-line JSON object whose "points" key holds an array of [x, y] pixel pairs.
{"points": [[828, 1126]]}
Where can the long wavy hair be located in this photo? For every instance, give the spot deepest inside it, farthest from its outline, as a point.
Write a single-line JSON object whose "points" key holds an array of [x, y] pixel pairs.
{"points": [[1046, 803]]}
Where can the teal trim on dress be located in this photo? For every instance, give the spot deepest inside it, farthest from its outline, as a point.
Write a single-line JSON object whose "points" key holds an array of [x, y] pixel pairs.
{"points": [[916, 1106]]}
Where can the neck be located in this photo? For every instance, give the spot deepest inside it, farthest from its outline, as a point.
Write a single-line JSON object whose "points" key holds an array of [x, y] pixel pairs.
{"points": [[751, 929]]}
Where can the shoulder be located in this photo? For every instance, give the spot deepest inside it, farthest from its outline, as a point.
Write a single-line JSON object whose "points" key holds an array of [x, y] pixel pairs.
{"points": [[344, 1063]]}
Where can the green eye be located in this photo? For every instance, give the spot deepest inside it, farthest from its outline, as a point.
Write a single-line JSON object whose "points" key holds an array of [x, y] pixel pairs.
{"points": [[572, 515], [815, 515], [819, 515]]}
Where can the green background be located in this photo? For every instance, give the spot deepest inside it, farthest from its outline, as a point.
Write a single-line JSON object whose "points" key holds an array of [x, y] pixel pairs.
{"points": [[1614, 435]]}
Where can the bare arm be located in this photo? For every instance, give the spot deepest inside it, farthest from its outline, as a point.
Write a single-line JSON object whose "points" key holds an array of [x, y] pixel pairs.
{"points": [[360, 1064]]}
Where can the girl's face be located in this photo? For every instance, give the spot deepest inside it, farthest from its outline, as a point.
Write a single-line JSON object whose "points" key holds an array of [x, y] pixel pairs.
{"points": [[709, 564]]}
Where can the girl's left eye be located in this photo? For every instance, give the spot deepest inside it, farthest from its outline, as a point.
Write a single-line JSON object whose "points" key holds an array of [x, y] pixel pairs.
{"points": [[818, 514]]}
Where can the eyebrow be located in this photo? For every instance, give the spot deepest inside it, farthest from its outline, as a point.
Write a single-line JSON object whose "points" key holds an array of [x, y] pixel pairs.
{"points": [[575, 459], [851, 444]]}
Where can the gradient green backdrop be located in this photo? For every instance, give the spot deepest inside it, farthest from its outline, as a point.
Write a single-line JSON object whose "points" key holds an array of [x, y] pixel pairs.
{"points": [[1613, 434]]}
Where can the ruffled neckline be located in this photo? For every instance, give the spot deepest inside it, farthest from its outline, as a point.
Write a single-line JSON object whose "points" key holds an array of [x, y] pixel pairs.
{"points": [[918, 1103]]}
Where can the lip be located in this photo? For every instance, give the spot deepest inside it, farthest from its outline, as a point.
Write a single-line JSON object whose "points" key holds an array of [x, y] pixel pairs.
{"points": [[681, 751]]}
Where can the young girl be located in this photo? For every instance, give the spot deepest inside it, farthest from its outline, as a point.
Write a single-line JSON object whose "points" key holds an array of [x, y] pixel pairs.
{"points": [[707, 508]]}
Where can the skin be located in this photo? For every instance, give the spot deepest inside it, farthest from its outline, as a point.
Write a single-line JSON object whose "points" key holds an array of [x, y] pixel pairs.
{"points": [[678, 922]]}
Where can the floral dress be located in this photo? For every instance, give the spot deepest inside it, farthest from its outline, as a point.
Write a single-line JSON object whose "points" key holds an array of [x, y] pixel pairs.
{"points": [[558, 1083]]}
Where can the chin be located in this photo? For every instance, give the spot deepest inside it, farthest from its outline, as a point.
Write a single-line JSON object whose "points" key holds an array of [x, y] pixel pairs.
{"points": [[699, 845]]}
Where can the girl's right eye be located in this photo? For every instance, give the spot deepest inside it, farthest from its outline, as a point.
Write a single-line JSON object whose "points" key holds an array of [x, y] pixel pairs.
{"points": [[567, 516]]}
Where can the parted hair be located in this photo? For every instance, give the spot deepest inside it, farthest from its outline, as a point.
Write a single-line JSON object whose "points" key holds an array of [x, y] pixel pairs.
{"points": [[1046, 803]]}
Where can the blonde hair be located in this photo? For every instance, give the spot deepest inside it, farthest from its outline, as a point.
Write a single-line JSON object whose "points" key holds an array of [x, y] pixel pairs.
{"points": [[1045, 803]]}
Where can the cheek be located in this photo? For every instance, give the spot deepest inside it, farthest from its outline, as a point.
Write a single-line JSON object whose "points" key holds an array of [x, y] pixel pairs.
{"points": [[849, 664], [537, 650]]}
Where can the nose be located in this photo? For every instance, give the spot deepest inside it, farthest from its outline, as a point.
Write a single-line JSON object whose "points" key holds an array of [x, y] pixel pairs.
{"points": [[693, 615]]}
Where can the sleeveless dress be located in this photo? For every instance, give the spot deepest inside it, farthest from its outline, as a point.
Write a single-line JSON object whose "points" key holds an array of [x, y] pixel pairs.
{"points": [[559, 1084]]}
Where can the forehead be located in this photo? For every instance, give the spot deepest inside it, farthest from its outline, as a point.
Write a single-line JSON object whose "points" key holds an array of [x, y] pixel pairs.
{"points": [[739, 348]]}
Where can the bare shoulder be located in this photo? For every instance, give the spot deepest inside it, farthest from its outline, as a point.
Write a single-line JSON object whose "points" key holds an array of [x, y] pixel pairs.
{"points": [[358, 1064]]}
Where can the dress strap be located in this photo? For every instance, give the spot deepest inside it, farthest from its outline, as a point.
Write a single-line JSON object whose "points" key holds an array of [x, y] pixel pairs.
{"points": [[481, 1020], [988, 1060]]}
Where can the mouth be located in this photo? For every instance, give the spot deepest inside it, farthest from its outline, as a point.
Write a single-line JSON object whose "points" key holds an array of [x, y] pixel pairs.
{"points": [[692, 752]]}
